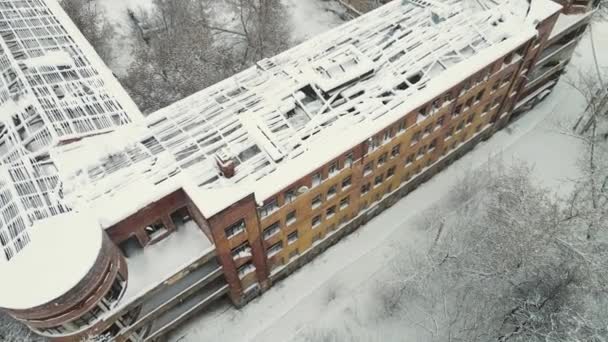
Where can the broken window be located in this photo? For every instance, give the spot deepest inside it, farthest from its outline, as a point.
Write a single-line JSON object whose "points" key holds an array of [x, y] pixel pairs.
{"points": [[181, 216], [235, 229], [156, 230]]}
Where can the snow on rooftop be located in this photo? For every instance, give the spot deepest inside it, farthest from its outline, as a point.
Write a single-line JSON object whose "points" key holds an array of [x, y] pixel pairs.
{"points": [[153, 265], [62, 250], [280, 119], [565, 21]]}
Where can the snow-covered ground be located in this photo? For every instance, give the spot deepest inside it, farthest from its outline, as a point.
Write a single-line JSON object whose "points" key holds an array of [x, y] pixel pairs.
{"points": [[340, 282], [116, 12], [307, 19], [312, 17]]}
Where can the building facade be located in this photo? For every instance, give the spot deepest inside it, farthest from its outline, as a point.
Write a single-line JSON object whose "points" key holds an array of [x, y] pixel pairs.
{"points": [[222, 194]]}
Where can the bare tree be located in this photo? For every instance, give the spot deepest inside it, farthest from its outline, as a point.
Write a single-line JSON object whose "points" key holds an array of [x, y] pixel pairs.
{"points": [[92, 23], [179, 59]]}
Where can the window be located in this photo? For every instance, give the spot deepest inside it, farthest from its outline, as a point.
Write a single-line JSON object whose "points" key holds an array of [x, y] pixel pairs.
{"points": [[368, 168], [469, 102], [486, 108], [382, 159], [410, 159], [331, 211], [406, 177], [316, 201], [235, 229], [374, 143], [428, 129], [396, 150], [478, 128], [378, 180], [416, 137], [421, 151], [471, 118], [156, 230], [130, 246], [271, 230], [115, 291], [181, 216], [390, 172], [331, 192], [344, 202], [316, 221], [458, 110], [269, 208], [460, 126], [448, 97], [508, 58], [246, 269], [433, 144], [365, 188], [348, 160], [242, 251], [507, 78], [291, 218], [479, 96], [333, 168], [316, 179], [440, 121], [422, 111], [436, 103], [448, 133], [387, 134], [275, 249], [292, 237], [346, 182], [290, 195], [495, 86], [401, 126]]}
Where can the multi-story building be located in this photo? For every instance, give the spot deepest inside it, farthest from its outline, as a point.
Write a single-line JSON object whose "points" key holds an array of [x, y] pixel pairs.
{"points": [[227, 191]]}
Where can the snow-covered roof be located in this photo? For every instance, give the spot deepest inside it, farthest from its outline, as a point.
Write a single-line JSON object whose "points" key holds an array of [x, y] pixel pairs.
{"points": [[54, 88], [285, 116], [155, 264], [63, 250], [566, 21]]}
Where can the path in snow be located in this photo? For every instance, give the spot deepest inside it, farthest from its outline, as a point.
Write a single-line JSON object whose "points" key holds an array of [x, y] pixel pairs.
{"points": [[299, 302]]}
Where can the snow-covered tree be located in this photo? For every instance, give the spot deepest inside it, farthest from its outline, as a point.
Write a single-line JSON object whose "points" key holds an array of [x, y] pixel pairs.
{"points": [[92, 23], [13, 331]]}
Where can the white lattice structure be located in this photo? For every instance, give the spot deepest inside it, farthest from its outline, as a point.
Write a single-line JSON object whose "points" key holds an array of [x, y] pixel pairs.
{"points": [[53, 89], [279, 120]]}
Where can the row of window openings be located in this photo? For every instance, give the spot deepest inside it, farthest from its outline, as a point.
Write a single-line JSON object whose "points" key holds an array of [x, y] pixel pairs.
{"points": [[317, 178], [155, 231], [90, 317], [291, 194], [468, 84]]}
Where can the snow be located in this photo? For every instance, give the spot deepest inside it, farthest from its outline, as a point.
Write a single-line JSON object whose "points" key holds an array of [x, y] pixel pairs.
{"points": [[310, 18], [566, 21], [151, 266], [243, 113], [352, 267], [62, 251], [53, 58], [541, 10], [117, 13], [211, 201]]}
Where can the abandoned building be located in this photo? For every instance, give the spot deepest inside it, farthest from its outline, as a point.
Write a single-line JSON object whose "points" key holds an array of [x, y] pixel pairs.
{"points": [[133, 224]]}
